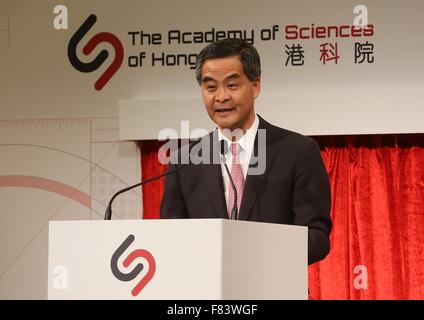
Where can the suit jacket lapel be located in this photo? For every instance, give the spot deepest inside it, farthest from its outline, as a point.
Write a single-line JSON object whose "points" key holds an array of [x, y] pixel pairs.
{"points": [[212, 177], [254, 183]]}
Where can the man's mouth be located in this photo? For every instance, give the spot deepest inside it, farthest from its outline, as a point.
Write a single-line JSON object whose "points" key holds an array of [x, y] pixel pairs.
{"points": [[224, 110]]}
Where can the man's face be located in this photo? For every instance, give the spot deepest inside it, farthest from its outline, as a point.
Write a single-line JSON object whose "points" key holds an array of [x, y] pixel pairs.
{"points": [[228, 94]]}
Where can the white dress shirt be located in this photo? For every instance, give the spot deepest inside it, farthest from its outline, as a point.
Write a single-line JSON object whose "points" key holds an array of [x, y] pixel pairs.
{"points": [[246, 143]]}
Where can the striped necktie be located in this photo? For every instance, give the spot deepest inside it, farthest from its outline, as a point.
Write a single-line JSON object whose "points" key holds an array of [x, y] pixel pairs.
{"points": [[238, 179]]}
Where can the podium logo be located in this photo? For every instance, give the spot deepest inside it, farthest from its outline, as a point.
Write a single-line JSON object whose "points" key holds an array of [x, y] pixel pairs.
{"points": [[139, 253], [101, 57]]}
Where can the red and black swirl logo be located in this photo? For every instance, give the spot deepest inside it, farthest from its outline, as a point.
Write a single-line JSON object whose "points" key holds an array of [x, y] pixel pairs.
{"points": [[139, 253], [97, 39]]}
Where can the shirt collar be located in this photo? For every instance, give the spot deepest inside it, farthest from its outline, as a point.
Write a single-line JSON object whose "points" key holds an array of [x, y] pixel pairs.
{"points": [[247, 140]]}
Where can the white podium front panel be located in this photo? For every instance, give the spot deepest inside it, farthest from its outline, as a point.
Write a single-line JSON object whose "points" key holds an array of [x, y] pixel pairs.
{"points": [[176, 259]]}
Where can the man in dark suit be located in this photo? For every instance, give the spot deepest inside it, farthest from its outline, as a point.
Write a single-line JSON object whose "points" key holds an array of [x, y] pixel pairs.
{"points": [[278, 175]]}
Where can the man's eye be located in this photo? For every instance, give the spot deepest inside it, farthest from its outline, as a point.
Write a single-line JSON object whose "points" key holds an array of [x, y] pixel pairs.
{"points": [[211, 88], [232, 85]]}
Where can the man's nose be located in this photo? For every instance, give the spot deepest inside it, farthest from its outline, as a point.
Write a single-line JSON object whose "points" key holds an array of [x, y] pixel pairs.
{"points": [[222, 95]]}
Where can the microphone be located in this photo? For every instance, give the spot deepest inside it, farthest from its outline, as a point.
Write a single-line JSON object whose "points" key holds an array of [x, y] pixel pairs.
{"points": [[224, 150], [108, 213]]}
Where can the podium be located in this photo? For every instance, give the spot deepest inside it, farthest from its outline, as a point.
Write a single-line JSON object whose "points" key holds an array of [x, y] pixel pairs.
{"points": [[177, 259]]}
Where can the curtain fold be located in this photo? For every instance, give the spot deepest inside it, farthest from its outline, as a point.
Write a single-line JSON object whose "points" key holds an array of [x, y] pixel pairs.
{"points": [[377, 241], [150, 167]]}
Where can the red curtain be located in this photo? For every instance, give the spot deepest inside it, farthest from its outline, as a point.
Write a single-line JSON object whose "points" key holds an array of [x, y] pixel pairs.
{"points": [[377, 241], [150, 167]]}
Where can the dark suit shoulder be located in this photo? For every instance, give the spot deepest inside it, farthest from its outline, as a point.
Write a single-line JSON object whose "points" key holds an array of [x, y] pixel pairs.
{"points": [[294, 140]]}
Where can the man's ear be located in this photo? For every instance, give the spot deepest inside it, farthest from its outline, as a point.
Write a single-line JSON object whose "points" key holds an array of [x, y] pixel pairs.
{"points": [[257, 87]]}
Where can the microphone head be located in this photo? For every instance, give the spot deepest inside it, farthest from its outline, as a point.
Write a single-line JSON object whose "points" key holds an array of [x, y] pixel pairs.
{"points": [[224, 147]]}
